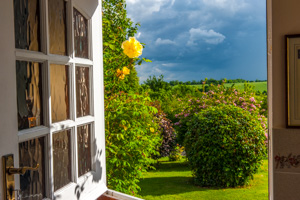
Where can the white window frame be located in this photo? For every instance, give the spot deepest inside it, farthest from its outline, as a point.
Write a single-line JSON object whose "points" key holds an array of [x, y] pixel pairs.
{"points": [[48, 129]]}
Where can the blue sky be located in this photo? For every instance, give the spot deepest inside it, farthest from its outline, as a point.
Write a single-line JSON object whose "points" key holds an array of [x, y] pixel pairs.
{"points": [[194, 39]]}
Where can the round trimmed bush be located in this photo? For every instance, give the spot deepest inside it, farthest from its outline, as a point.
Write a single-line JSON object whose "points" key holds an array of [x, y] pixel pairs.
{"points": [[225, 146]]}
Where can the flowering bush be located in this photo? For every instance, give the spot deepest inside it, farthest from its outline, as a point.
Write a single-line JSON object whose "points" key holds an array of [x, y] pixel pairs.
{"points": [[247, 100], [132, 137], [225, 145], [168, 135], [131, 129]]}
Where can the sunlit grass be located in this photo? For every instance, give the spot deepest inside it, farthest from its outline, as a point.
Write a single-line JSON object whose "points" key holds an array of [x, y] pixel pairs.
{"points": [[173, 181]]}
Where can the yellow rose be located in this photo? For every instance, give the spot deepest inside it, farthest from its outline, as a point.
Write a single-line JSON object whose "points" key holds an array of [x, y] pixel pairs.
{"points": [[125, 70], [119, 72], [132, 48], [152, 129]]}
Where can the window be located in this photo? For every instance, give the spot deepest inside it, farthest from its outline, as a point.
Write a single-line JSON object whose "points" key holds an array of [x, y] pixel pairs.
{"points": [[55, 84]]}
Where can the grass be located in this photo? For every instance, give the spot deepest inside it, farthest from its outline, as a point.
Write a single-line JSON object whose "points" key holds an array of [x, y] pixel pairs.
{"points": [[258, 86], [173, 181]]}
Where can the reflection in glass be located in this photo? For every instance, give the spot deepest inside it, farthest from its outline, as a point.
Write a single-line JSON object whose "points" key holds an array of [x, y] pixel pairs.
{"points": [[61, 158], [80, 34], [29, 85], [84, 149], [32, 183], [59, 83], [57, 26], [82, 91], [27, 26]]}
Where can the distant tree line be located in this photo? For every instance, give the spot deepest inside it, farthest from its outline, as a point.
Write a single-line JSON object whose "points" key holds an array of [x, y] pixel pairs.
{"points": [[211, 81]]}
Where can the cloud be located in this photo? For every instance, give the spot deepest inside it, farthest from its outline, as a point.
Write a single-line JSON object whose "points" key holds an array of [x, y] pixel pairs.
{"points": [[194, 39], [208, 36], [138, 35], [232, 6], [141, 9], [160, 41]]}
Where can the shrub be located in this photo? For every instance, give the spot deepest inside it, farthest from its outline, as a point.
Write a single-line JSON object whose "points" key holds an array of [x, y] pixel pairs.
{"points": [[176, 154], [225, 145], [167, 131], [132, 138], [217, 95]]}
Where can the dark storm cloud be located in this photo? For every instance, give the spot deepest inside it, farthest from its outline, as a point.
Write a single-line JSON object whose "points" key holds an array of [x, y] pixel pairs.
{"points": [[194, 39]]}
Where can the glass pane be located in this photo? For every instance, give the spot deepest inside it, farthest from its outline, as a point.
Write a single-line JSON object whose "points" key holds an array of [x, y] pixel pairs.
{"points": [[32, 182], [27, 26], [57, 26], [59, 83], [80, 35], [84, 149], [61, 158], [82, 91], [29, 94]]}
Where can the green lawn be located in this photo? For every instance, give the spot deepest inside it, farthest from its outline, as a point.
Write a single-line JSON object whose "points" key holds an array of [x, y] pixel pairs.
{"points": [[258, 86], [173, 181]]}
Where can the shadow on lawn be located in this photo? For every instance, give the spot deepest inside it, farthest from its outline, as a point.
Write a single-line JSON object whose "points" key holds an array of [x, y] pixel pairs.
{"points": [[172, 166], [169, 185]]}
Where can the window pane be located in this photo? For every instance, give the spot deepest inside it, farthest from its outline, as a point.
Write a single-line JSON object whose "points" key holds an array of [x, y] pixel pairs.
{"points": [[84, 149], [80, 35], [27, 26], [29, 94], [82, 91], [59, 83], [32, 182], [61, 158], [57, 26]]}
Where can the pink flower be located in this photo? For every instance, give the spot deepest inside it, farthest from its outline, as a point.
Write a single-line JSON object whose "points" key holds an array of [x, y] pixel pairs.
{"points": [[253, 106], [176, 123], [185, 115], [251, 110], [252, 99], [241, 98], [235, 92], [218, 101]]}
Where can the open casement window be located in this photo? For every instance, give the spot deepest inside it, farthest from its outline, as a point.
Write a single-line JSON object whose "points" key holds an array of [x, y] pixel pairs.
{"points": [[52, 105]]}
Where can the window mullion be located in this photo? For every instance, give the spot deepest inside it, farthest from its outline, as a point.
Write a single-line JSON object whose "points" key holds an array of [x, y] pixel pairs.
{"points": [[70, 29]]}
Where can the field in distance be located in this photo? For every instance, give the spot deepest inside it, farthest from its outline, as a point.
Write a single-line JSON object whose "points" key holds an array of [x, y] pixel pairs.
{"points": [[258, 86]]}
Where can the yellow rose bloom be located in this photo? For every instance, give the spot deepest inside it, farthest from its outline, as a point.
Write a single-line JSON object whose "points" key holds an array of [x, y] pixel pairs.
{"points": [[122, 76], [125, 70], [119, 72], [132, 48]]}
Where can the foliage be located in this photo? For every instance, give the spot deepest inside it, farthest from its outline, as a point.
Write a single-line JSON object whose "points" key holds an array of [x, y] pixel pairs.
{"points": [[220, 94], [132, 138], [176, 155], [225, 145], [211, 81], [131, 129], [116, 29], [167, 131], [157, 88]]}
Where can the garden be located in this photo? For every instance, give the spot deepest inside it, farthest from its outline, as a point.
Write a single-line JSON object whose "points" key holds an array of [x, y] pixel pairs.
{"points": [[209, 140]]}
